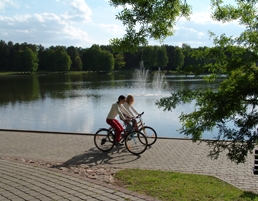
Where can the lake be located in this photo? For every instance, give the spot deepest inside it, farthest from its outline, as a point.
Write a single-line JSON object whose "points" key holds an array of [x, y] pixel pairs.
{"points": [[80, 103]]}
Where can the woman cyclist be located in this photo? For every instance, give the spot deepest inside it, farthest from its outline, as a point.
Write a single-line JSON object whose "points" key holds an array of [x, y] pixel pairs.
{"points": [[117, 109]]}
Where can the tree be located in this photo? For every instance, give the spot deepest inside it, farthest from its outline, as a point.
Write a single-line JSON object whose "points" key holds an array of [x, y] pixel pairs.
{"points": [[235, 101], [119, 61], [149, 57], [92, 55], [29, 60], [147, 19], [57, 59], [162, 58], [132, 60], [41, 56], [171, 57], [179, 58], [75, 58], [4, 51], [96, 59], [77, 62], [107, 61], [26, 60]]}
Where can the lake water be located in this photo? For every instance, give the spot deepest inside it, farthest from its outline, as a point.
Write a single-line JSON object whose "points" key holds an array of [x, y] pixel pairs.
{"points": [[80, 103]]}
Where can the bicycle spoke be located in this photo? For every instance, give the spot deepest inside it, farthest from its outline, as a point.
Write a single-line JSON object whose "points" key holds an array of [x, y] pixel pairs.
{"points": [[104, 140], [136, 143], [150, 134]]}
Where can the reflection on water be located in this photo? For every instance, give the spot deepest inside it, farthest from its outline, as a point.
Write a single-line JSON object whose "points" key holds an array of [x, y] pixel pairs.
{"points": [[80, 103]]}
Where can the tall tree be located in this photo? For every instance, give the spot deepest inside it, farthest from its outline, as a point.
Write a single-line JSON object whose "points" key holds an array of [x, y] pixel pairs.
{"points": [[119, 61], [23, 57], [41, 56], [149, 57], [179, 58], [57, 59], [75, 58], [171, 57], [162, 58], [4, 51], [29, 60], [235, 102], [93, 55], [107, 61]]}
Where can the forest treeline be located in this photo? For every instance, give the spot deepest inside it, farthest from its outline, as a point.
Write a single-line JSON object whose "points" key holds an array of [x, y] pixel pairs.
{"points": [[26, 57]]}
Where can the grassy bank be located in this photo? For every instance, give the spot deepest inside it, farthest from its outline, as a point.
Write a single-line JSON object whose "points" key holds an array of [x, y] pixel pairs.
{"points": [[170, 186]]}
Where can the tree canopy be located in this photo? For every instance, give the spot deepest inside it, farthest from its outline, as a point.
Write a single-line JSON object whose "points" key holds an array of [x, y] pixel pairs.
{"points": [[235, 58], [235, 101], [147, 19]]}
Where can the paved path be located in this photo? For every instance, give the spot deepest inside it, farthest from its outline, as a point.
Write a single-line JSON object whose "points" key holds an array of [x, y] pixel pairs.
{"points": [[19, 182]]}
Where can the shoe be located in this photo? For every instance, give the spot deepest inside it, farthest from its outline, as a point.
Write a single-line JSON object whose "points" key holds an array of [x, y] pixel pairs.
{"points": [[103, 141], [118, 144]]}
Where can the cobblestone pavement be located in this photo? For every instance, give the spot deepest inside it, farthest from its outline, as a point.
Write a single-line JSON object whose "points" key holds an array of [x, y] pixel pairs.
{"points": [[19, 181]]}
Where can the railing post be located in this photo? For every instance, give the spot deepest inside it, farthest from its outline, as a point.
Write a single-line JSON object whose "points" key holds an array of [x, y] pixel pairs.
{"points": [[256, 162]]}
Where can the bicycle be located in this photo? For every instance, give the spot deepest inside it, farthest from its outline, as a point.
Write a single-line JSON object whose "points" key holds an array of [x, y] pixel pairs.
{"points": [[148, 131], [135, 141]]}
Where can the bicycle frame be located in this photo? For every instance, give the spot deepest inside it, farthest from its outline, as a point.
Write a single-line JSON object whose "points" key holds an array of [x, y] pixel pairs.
{"points": [[140, 123]]}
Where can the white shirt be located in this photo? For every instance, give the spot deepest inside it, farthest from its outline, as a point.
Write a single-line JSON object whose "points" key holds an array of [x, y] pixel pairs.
{"points": [[131, 109], [117, 109]]}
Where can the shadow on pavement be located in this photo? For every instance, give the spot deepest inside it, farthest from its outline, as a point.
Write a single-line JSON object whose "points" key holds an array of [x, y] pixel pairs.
{"points": [[94, 157]]}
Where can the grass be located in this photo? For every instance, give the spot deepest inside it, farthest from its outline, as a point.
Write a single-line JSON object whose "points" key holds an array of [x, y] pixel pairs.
{"points": [[171, 186]]}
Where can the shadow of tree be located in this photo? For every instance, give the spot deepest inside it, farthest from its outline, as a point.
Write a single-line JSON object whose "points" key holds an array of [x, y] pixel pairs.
{"points": [[249, 196]]}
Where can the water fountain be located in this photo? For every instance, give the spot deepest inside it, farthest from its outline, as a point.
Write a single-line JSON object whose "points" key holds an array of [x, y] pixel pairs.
{"points": [[144, 84], [159, 82], [141, 78]]}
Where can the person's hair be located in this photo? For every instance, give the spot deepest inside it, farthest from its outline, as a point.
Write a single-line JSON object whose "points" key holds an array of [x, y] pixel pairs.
{"points": [[129, 98], [121, 98]]}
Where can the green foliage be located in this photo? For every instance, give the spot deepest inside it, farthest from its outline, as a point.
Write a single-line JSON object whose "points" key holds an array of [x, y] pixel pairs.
{"points": [[96, 59], [4, 52], [26, 60], [162, 58], [149, 56], [236, 100], [119, 61], [75, 58], [179, 58], [179, 186], [147, 19], [88, 59], [58, 59], [30, 60], [107, 61]]}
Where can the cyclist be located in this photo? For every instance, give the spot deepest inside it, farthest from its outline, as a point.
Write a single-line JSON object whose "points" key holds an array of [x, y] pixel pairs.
{"points": [[133, 112], [117, 109]]}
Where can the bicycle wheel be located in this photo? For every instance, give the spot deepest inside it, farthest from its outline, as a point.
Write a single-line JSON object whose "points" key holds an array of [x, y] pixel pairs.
{"points": [[150, 134], [104, 140], [136, 142]]}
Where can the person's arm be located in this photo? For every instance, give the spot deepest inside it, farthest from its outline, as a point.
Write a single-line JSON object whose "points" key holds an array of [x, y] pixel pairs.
{"points": [[127, 107], [120, 113], [126, 112], [134, 110]]}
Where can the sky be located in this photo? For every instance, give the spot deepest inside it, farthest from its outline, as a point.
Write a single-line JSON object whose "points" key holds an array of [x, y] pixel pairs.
{"points": [[82, 23]]}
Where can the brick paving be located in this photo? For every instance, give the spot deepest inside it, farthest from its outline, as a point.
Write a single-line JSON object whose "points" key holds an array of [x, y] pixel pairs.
{"points": [[20, 181]]}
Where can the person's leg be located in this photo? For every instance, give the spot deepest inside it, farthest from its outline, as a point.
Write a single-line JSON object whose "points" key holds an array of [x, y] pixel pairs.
{"points": [[135, 126], [114, 123]]}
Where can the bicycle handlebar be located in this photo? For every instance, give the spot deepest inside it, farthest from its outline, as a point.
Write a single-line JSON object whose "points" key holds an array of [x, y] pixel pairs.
{"points": [[139, 115]]}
